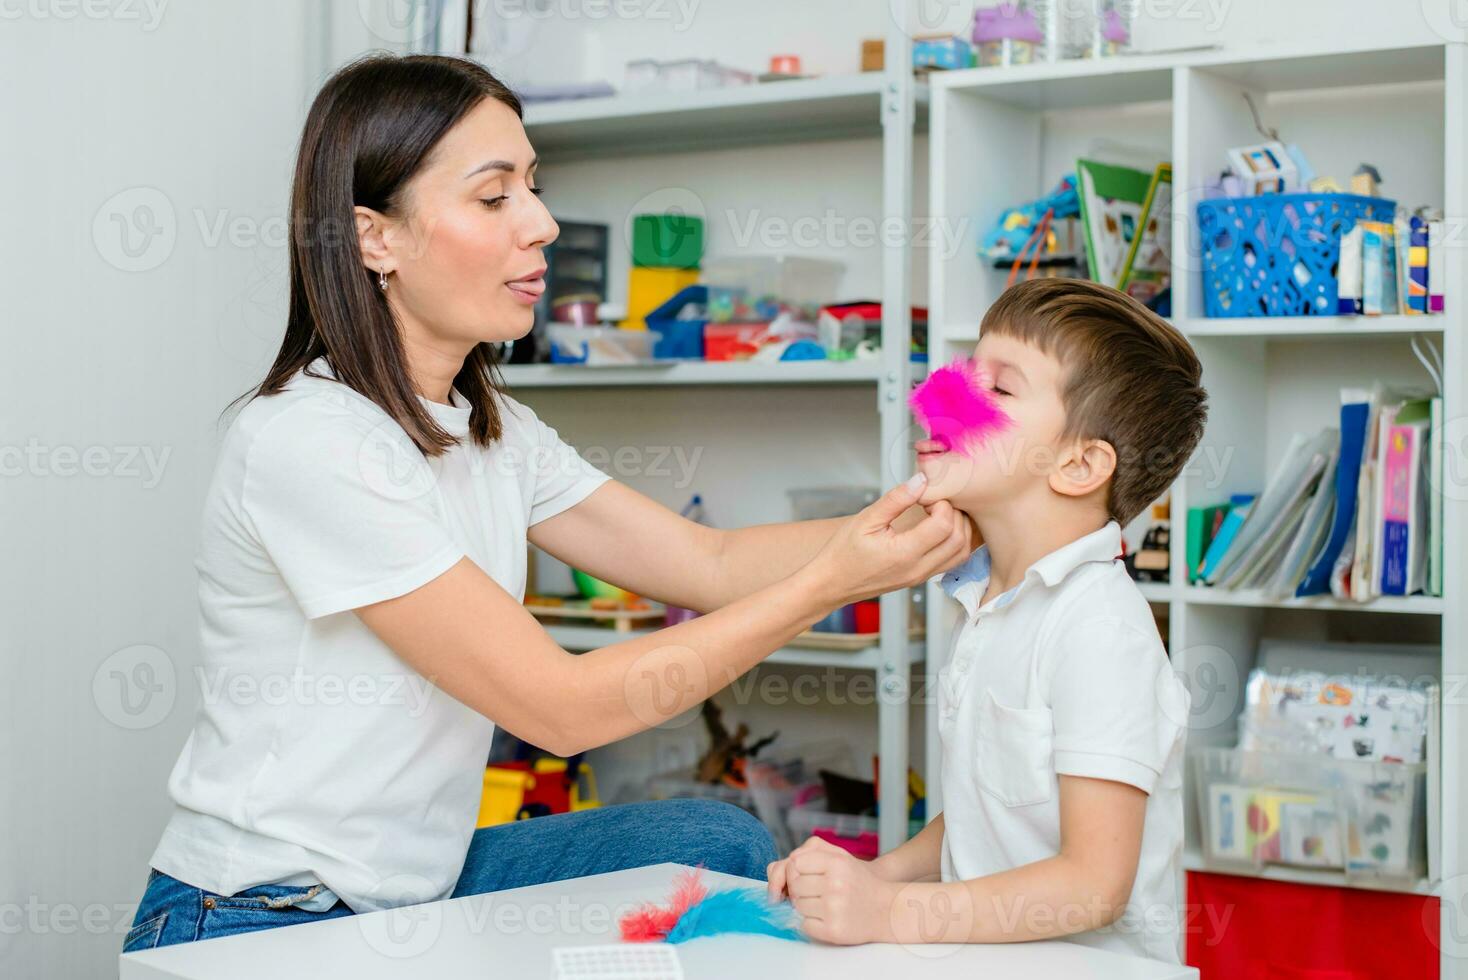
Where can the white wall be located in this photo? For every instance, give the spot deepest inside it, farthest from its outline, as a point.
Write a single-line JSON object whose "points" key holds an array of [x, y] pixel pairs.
{"points": [[191, 110], [113, 379]]}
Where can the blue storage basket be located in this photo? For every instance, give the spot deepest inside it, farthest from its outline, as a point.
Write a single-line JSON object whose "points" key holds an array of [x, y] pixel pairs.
{"points": [[1277, 254], [682, 339]]}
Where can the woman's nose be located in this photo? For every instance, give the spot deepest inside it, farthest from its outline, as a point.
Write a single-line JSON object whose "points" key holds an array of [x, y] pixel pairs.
{"points": [[540, 229]]}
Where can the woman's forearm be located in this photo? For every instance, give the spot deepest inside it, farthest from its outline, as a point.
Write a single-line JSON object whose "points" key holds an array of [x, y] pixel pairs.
{"points": [[750, 558]]}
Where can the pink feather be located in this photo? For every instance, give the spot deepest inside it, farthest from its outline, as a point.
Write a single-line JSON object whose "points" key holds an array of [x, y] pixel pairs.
{"points": [[957, 408], [651, 923]]}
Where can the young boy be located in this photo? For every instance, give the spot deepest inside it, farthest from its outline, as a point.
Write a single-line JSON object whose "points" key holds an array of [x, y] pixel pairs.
{"points": [[1061, 720]]}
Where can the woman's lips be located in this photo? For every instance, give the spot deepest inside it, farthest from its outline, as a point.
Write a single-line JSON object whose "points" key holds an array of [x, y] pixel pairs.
{"points": [[528, 289]]}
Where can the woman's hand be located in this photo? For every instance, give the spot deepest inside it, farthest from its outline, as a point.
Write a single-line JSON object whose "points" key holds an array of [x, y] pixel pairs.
{"points": [[868, 556]]}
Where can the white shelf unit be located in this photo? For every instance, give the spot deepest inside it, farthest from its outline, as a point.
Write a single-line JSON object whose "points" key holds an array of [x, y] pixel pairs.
{"points": [[1001, 136], [886, 106]]}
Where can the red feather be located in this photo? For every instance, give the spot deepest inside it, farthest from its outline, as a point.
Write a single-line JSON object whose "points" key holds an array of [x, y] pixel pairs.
{"points": [[651, 923]]}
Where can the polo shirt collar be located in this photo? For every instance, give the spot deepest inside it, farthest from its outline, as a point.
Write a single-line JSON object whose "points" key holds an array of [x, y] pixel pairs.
{"points": [[967, 582]]}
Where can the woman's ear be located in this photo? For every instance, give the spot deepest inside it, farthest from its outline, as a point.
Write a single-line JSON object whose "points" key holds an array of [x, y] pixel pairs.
{"points": [[372, 239], [1084, 467]]}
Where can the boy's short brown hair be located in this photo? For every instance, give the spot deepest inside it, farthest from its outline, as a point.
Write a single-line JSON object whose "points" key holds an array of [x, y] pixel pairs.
{"points": [[1130, 378]]}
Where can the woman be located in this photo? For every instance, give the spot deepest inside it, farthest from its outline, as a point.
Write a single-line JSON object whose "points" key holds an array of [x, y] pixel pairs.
{"points": [[363, 556]]}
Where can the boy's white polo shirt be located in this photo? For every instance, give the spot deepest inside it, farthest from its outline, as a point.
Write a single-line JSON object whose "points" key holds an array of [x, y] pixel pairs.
{"points": [[1064, 674]]}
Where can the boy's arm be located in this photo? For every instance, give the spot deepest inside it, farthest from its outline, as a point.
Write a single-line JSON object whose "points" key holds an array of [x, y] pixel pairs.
{"points": [[1084, 887], [919, 859]]}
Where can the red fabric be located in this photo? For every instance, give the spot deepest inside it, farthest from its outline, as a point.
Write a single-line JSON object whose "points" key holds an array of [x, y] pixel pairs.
{"points": [[1241, 928]]}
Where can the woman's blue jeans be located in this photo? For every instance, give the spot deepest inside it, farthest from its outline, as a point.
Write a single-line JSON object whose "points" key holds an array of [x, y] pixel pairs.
{"points": [[718, 836]]}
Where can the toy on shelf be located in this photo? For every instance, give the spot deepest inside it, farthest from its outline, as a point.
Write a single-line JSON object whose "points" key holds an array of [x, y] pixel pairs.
{"points": [[947, 53], [1366, 181], [1149, 563], [727, 755], [1008, 34], [853, 331], [1113, 33], [522, 788], [1041, 231], [693, 911]]}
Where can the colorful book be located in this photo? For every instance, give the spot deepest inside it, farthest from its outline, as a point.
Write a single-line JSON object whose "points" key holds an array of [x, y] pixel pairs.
{"points": [[1203, 525], [1348, 274], [1435, 501], [1404, 502], [1437, 265], [1354, 410], [1111, 199], [1239, 506], [1378, 268], [1417, 278], [1313, 528]]}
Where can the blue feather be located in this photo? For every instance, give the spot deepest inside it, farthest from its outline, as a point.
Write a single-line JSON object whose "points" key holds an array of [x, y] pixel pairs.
{"points": [[739, 910]]}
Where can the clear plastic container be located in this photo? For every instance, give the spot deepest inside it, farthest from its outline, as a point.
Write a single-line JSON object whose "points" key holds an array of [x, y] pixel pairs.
{"points": [[600, 346], [796, 281], [1365, 818]]}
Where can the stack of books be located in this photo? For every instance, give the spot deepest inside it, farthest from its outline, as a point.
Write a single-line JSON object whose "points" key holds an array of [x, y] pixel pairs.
{"points": [[1388, 268], [1354, 512]]}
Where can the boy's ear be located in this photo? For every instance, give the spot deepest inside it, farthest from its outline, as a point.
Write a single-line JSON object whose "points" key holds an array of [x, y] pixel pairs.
{"points": [[372, 239], [1083, 468]]}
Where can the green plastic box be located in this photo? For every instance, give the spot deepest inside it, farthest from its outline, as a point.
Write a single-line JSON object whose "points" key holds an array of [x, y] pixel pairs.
{"points": [[667, 241]]}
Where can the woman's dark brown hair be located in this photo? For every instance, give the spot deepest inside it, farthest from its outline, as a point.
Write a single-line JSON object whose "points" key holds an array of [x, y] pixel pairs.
{"points": [[371, 128]]}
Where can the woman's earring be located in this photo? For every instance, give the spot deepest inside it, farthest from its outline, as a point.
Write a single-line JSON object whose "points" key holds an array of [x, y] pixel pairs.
{"points": [[382, 280]]}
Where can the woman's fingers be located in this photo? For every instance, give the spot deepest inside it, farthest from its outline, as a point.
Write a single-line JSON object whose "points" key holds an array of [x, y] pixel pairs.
{"points": [[776, 875], [892, 504]]}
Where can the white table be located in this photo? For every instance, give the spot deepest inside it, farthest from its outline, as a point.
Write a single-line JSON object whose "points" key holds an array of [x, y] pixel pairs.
{"points": [[512, 933]]}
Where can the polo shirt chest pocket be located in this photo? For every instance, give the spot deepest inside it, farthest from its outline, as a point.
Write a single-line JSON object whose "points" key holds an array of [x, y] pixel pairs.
{"points": [[1014, 752]]}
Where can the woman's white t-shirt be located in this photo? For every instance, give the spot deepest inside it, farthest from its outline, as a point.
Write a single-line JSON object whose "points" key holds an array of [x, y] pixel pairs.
{"points": [[317, 754]]}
